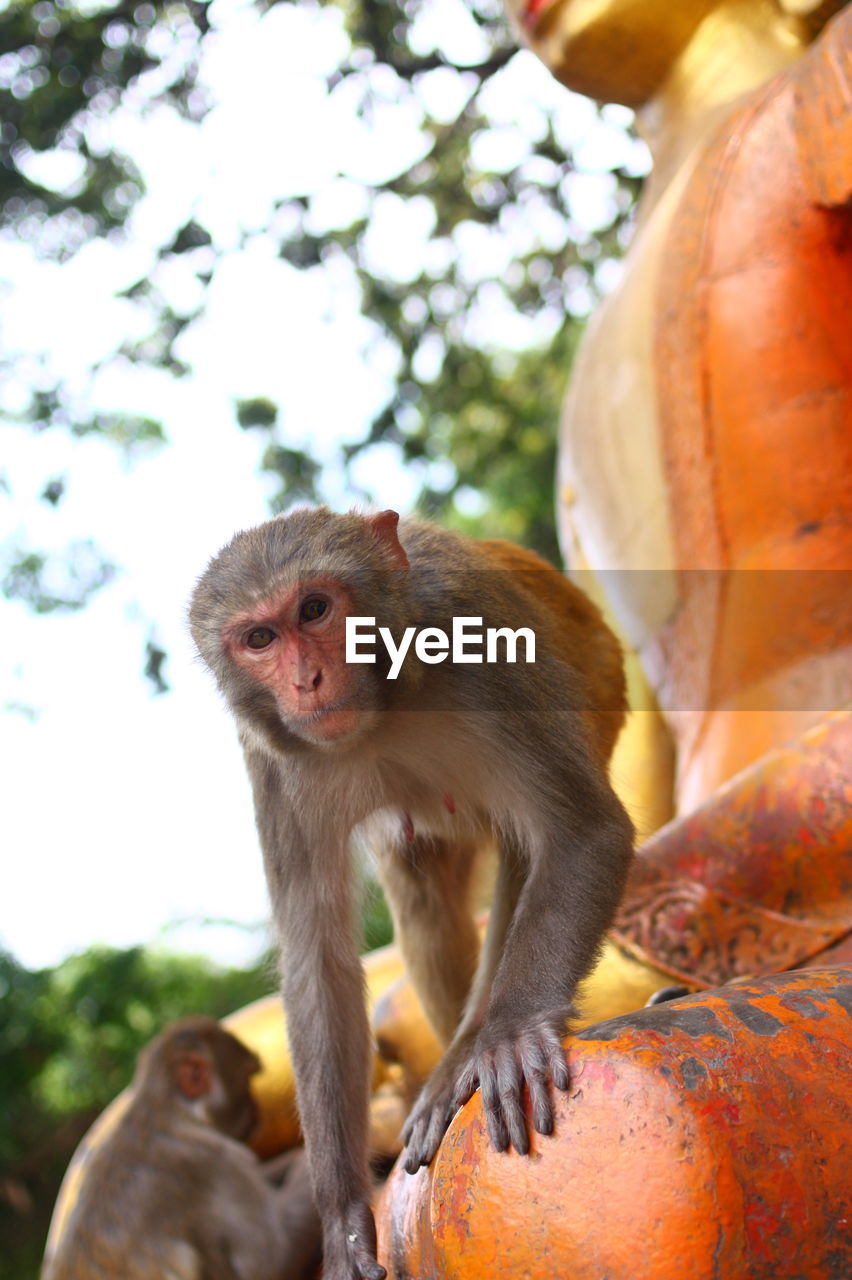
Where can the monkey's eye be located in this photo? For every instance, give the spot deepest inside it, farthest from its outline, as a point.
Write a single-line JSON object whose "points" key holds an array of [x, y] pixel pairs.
{"points": [[312, 608], [260, 638]]}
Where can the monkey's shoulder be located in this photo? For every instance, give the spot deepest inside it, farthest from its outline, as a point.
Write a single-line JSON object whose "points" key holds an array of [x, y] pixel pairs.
{"points": [[425, 542], [511, 578]]}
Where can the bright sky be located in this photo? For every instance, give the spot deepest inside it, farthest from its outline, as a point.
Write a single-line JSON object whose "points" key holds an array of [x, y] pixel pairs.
{"points": [[125, 814]]}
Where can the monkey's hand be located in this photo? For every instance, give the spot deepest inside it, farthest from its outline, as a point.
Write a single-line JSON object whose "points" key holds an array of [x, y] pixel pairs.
{"points": [[349, 1246], [499, 1063]]}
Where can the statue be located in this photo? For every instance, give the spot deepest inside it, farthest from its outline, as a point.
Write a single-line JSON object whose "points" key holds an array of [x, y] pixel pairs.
{"points": [[706, 458], [706, 450], [706, 482]]}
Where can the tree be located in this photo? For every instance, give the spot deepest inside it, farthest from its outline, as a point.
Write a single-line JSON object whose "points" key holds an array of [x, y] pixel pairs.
{"points": [[474, 332], [483, 325], [65, 70]]}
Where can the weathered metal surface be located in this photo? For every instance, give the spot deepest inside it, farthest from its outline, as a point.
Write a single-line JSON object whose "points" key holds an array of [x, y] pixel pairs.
{"points": [[759, 878], [708, 1138]]}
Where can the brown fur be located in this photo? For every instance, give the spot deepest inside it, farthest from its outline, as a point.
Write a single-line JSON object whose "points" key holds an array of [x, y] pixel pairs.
{"points": [[172, 1193], [426, 767], [572, 619]]}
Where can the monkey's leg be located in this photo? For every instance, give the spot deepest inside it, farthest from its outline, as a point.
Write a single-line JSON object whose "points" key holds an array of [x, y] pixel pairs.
{"points": [[427, 883], [434, 1108], [577, 868], [327, 1026], [511, 874]]}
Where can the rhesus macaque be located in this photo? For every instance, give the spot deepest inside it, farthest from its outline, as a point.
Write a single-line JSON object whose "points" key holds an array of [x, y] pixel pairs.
{"points": [[172, 1193], [423, 765]]}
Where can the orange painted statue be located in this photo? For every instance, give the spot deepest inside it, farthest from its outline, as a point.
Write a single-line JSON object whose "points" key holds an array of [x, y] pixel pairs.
{"points": [[707, 436], [706, 485]]}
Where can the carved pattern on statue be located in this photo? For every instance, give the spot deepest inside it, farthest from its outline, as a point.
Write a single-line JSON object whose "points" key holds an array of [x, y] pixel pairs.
{"points": [[708, 938]]}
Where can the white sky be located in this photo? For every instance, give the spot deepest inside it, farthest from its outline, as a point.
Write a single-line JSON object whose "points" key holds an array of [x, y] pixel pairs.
{"points": [[122, 813]]}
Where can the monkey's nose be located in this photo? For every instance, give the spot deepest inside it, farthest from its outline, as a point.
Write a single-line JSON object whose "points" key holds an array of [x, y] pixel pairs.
{"points": [[308, 681]]}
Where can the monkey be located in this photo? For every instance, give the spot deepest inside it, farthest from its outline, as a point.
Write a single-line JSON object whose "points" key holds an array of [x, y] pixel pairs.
{"points": [[172, 1192], [422, 767]]}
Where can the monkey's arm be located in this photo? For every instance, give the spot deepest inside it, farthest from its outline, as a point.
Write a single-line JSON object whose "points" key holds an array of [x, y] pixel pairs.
{"points": [[309, 874], [569, 900], [577, 863]]}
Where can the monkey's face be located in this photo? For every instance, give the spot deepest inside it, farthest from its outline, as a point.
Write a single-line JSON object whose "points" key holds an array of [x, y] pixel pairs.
{"points": [[232, 1106], [294, 644], [236, 1111]]}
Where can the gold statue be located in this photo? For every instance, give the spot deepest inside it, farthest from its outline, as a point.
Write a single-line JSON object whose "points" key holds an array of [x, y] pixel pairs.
{"points": [[707, 424]]}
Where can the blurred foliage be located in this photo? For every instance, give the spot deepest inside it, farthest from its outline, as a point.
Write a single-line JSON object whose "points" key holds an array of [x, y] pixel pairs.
{"points": [[53, 583], [473, 413], [155, 661], [258, 412], [66, 67], [462, 398], [93, 1014], [376, 927]]}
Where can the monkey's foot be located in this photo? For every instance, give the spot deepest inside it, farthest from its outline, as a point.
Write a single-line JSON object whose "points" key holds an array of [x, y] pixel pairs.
{"points": [[349, 1246], [499, 1064]]}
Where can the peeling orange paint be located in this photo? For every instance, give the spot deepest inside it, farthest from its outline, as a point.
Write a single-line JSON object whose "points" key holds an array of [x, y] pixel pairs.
{"points": [[708, 1138]]}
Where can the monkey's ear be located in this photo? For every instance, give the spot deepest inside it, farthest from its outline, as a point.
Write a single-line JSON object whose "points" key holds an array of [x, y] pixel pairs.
{"points": [[193, 1075], [383, 529]]}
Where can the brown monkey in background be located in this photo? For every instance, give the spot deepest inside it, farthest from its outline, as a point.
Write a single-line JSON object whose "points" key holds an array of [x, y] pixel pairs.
{"points": [[172, 1193], [423, 765]]}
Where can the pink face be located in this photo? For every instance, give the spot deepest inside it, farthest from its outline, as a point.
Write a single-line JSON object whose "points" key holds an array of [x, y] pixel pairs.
{"points": [[295, 645]]}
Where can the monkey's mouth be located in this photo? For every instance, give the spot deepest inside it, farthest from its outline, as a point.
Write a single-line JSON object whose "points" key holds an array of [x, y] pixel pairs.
{"points": [[334, 722]]}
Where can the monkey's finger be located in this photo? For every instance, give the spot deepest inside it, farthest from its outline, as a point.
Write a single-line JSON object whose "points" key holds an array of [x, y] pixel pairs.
{"points": [[415, 1152], [368, 1268], [557, 1065], [416, 1123], [541, 1107], [500, 1084], [438, 1126], [497, 1129], [510, 1082], [535, 1069], [467, 1084], [413, 1136], [426, 1137], [421, 1151], [362, 1266]]}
